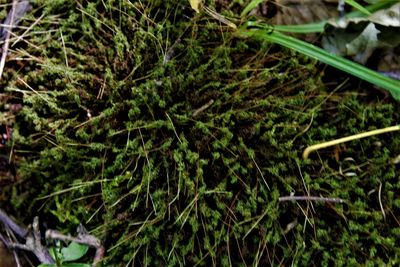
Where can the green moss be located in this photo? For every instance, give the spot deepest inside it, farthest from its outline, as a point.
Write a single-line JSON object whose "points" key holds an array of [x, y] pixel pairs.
{"points": [[112, 140]]}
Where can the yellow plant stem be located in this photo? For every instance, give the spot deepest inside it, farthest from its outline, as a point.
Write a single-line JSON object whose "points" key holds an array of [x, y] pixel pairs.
{"points": [[312, 148]]}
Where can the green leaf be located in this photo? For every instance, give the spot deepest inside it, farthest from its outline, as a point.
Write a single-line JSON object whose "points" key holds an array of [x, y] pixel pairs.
{"points": [[47, 265], [393, 86], [74, 251], [74, 265], [55, 252]]}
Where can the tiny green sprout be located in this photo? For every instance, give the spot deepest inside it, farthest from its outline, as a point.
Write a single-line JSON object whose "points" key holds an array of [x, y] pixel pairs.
{"points": [[64, 255]]}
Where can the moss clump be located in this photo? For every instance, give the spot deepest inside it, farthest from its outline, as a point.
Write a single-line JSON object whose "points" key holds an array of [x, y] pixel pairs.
{"points": [[173, 140]]}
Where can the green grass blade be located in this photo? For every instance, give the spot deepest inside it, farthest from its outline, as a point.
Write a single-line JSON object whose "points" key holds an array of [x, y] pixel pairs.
{"points": [[358, 7], [302, 28], [253, 4], [319, 26], [371, 9], [393, 86]]}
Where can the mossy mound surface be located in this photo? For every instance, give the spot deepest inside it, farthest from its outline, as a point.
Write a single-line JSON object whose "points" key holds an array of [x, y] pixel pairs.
{"points": [[172, 140]]}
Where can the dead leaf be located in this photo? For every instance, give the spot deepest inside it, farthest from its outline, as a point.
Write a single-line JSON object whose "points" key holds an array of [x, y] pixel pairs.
{"points": [[386, 17], [195, 4], [359, 37], [363, 46]]}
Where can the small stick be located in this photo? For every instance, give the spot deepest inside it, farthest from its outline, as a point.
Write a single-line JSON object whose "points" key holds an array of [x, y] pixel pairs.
{"points": [[89, 240], [311, 198], [32, 238], [312, 148], [33, 241], [219, 17], [33, 244], [16, 258], [11, 236]]}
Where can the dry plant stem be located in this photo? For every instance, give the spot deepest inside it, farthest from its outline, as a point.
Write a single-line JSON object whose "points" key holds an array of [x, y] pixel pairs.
{"points": [[311, 198], [7, 39], [33, 244], [380, 200], [16, 258], [312, 148], [202, 108], [259, 170], [89, 240], [11, 236], [18, 10], [28, 29], [220, 18]]}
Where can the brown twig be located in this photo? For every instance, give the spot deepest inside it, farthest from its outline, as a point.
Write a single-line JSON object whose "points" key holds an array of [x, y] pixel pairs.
{"points": [[33, 244], [33, 239], [89, 240]]}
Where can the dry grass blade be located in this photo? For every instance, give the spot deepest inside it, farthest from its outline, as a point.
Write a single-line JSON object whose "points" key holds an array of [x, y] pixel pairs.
{"points": [[220, 18], [380, 200], [7, 39], [312, 148], [18, 10]]}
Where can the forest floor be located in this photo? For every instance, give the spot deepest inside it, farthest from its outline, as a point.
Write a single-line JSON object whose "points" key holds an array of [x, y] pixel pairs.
{"points": [[176, 142]]}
